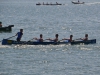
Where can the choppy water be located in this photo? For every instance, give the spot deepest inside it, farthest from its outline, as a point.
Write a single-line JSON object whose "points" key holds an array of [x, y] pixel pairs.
{"points": [[49, 20]]}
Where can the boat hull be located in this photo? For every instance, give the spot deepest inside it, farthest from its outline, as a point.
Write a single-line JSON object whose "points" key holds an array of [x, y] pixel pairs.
{"points": [[10, 42], [6, 29], [78, 2], [48, 4], [92, 41]]}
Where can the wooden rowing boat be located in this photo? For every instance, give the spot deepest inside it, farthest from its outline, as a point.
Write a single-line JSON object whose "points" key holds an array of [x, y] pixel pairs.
{"points": [[49, 4], [6, 29], [10, 42], [77, 2]]}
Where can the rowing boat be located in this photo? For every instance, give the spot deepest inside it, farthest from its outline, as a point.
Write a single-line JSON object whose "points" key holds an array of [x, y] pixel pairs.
{"points": [[77, 2], [49, 4], [6, 29], [11, 42]]}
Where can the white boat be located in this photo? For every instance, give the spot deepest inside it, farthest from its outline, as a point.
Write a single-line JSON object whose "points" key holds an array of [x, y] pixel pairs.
{"points": [[74, 2]]}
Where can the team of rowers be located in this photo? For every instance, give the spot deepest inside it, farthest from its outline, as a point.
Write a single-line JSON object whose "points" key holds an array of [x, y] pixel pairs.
{"points": [[46, 3], [19, 36]]}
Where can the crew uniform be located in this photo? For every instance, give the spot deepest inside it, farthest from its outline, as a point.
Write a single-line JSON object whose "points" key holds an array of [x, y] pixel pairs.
{"points": [[19, 35]]}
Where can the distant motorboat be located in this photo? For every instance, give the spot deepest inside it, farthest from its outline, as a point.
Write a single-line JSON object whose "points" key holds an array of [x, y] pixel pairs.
{"points": [[77, 2], [6, 28]]}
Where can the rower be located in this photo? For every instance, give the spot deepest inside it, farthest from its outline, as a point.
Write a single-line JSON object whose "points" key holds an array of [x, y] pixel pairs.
{"points": [[56, 2], [70, 39], [39, 3], [86, 38], [40, 39], [43, 3], [0, 24], [78, 1], [56, 38]]}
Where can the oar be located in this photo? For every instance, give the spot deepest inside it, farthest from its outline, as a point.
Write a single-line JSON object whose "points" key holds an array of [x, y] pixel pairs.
{"points": [[31, 39], [52, 40], [36, 39], [27, 41], [11, 37], [79, 39], [60, 40]]}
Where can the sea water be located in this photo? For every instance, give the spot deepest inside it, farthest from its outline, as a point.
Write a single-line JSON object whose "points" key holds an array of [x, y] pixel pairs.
{"points": [[64, 20]]}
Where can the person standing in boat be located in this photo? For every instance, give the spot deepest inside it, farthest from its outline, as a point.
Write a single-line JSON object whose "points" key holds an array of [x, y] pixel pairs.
{"points": [[19, 35], [70, 39], [43, 3], [40, 39], [56, 2], [0, 24], [56, 38]]}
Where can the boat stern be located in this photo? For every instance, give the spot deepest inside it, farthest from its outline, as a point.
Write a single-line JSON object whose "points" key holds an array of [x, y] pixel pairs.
{"points": [[11, 26], [92, 41], [6, 42]]}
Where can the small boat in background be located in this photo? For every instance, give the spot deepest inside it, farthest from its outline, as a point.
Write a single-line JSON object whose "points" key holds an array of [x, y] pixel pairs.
{"points": [[48, 3], [74, 2], [6, 29]]}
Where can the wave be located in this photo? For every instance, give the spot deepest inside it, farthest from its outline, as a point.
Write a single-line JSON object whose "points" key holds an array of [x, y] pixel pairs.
{"points": [[93, 3]]}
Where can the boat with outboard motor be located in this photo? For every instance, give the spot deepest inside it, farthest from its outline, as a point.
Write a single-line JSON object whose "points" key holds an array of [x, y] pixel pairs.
{"points": [[77, 2], [6, 29], [13, 42]]}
